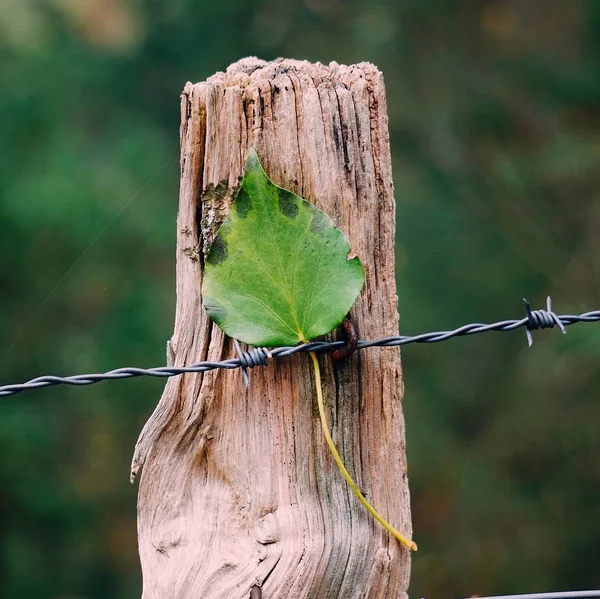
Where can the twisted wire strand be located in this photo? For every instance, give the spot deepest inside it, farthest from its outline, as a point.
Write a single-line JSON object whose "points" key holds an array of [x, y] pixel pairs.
{"points": [[259, 356]]}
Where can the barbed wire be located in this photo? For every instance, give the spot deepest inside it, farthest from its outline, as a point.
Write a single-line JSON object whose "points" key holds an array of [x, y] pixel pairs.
{"points": [[534, 319]]}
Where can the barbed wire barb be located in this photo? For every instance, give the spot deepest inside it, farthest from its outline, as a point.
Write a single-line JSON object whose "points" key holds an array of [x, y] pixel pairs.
{"points": [[541, 319], [534, 319]]}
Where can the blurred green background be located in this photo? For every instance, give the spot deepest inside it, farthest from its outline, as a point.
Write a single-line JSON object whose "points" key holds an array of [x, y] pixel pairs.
{"points": [[495, 126]]}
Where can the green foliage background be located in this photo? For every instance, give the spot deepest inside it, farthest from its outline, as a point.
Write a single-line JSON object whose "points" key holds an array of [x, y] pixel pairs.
{"points": [[495, 122]]}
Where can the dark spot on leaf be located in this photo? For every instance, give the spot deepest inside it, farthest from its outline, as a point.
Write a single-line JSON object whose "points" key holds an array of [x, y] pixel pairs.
{"points": [[243, 204], [320, 222], [288, 205], [218, 251]]}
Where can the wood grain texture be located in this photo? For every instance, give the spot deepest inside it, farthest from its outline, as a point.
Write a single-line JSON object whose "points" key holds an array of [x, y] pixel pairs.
{"points": [[238, 487]]}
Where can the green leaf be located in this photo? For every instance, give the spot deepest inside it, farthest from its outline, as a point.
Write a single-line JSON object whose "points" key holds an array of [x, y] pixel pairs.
{"points": [[278, 271]]}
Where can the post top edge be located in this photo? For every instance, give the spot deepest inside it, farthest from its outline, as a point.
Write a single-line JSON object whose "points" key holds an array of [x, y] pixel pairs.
{"points": [[254, 68]]}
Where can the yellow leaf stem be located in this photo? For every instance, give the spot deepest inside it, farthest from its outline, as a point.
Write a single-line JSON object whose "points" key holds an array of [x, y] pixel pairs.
{"points": [[336, 456]]}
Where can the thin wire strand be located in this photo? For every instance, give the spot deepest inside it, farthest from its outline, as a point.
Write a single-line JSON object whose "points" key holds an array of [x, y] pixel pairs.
{"points": [[245, 360], [81, 256]]}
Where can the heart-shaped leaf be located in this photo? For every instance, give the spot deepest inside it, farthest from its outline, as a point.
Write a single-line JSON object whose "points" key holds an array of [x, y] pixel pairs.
{"points": [[278, 271]]}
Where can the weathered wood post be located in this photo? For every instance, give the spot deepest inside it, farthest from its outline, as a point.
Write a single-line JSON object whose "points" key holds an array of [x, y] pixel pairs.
{"points": [[238, 487]]}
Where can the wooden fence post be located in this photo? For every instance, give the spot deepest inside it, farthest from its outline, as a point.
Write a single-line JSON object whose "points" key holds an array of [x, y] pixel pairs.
{"points": [[238, 487]]}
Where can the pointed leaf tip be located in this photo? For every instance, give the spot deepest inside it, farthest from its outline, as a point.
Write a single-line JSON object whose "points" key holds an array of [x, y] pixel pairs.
{"points": [[252, 161]]}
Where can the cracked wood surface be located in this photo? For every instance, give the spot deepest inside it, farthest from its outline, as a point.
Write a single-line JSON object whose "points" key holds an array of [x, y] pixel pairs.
{"points": [[238, 487]]}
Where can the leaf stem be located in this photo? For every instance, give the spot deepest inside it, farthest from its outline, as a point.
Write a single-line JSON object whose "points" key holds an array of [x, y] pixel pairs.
{"points": [[336, 456]]}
